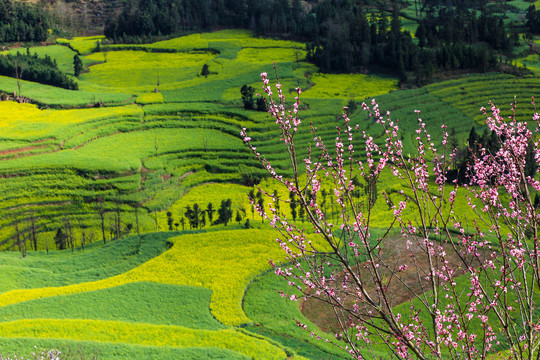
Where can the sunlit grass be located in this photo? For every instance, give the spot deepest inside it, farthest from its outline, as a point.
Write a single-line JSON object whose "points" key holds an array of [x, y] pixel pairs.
{"points": [[349, 86], [82, 44], [139, 71], [61, 54], [139, 302], [54, 96]]}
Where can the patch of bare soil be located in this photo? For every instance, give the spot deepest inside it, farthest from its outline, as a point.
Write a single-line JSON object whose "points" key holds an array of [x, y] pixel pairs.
{"points": [[20, 150], [401, 286]]}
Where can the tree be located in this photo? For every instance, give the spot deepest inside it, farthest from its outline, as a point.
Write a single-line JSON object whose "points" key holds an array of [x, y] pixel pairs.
{"points": [[68, 232], [136, 207], [19, 67], [196, 219], [170, 220], [60, 240], [275, 196], [247, 96], [472, 289], [77, 65], [224, 212], [202, 219], [189, 215], [205, 71], [261, 104], [33, 232], [21, 241], [99, 206], [238, 217], [210, 211], [84, 238], [117, 218], [260, 205], [292, 204]]}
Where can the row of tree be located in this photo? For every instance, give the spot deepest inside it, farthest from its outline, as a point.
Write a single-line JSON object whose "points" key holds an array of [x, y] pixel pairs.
{"points": [[33, 68], [72, 231], [196, 216]]}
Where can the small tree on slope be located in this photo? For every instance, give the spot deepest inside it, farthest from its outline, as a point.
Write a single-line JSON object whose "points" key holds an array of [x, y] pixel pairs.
{"points": [[472, 293], [77, 65]]}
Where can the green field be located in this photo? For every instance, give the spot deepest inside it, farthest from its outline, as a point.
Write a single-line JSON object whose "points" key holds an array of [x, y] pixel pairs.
{"points": [[145, 137]]}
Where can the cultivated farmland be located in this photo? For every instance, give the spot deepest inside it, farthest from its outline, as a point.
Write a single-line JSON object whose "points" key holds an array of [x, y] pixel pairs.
{"points": [[148, 136]]}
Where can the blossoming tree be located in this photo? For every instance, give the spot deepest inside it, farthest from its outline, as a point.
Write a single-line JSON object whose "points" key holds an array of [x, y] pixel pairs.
{"points": [[472, 292]]}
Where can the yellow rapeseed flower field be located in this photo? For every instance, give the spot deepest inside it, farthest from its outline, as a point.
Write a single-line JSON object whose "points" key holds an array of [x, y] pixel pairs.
{"points": [[27, 121], [144, 334], [150, 98], [224, 262], [138, 70]]}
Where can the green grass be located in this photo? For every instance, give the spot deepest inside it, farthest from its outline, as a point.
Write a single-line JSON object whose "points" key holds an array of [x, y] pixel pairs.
{"points": [[139, 71], [149, 303], [83, 45], [58, 97], [61, 54], [520, 4], [145, 305], [531, 62], [146, 334], [61, 268], [273, 315]]}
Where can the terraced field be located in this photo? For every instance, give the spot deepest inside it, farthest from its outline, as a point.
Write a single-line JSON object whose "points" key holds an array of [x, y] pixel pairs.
{"points": [[147, 136], [177, 300]]}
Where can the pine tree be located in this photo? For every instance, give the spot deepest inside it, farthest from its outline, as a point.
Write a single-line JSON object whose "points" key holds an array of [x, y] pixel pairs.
{"points": [[77, 65], [205, 71]]}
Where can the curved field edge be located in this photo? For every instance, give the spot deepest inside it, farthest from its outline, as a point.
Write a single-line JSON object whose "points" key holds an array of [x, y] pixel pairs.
{"points": [[224, 262], [273, 314], [97, 262], [144, 334], [142, 302]]}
